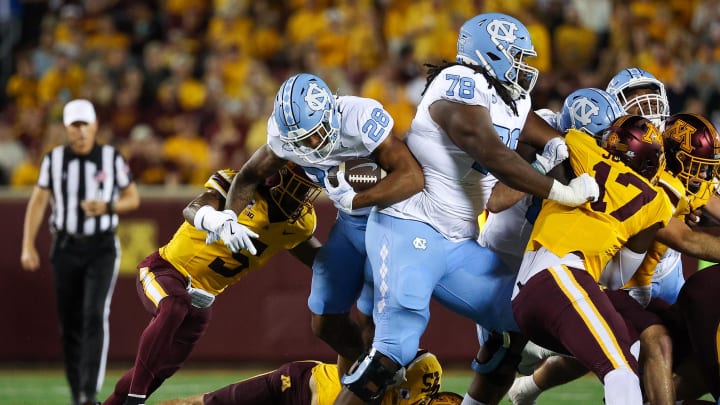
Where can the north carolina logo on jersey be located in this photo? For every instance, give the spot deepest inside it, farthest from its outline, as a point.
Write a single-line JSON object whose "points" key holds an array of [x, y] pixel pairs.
{"points": [[582, 110], [316, 97], [420, 243], [500, 30]]}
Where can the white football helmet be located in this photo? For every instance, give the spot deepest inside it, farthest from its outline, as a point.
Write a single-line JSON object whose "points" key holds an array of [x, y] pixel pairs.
{"points": [[653, 105], [499, 43]]}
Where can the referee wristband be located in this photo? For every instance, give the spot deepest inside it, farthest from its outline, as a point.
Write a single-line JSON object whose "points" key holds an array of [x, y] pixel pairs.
{"points": [[110, 207]]}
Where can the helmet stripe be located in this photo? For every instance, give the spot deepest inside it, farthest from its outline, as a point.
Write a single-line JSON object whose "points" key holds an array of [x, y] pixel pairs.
{"points": [[286, 104]]}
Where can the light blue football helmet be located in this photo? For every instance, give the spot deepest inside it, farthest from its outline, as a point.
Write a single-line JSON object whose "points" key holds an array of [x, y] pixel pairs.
{"points": [[589, 110], [653, 106], [306, 113], [499, 43]]}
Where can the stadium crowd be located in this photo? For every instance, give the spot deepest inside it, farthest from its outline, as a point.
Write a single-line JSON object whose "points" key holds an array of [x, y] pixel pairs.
{"points": [[184, 87]]}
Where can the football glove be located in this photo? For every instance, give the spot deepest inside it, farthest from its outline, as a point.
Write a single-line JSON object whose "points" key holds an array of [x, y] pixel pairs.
{"points": [[641, 294], [554, 153], [209, 219], [581, 189], [237, 237], [341, 195]]}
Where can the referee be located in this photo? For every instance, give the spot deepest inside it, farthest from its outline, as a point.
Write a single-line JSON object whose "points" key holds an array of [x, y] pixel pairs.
{"points": [[89, 184]]}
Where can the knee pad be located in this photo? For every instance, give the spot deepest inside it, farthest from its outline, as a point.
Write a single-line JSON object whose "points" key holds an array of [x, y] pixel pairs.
{"points": [[493, 352], [373, 375]]}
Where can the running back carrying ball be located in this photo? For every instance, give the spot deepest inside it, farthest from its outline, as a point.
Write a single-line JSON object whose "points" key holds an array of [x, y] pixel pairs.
{"points": [[360, 173]]}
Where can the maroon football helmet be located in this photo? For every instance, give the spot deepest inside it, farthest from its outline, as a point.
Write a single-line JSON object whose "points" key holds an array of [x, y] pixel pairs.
{"points": [[692, 149], [637, 143], [292, 191]]}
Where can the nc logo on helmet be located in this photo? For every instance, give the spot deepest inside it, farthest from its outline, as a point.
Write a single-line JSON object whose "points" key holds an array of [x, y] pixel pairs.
{"points": [[500, 30], [316, 97], [583, 110]]}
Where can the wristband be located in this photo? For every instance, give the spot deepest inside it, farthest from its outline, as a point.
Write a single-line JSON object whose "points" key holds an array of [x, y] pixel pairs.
{"points": [[110, 207]]}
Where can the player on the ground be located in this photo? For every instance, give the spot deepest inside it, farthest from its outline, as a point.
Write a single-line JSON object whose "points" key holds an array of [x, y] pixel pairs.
{"points": [[178, 283], [316, 130], [315, 383], [473, 114]]}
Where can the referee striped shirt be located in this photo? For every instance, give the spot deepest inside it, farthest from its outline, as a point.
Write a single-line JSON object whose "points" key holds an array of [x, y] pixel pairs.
{"points": [[72, 178]]}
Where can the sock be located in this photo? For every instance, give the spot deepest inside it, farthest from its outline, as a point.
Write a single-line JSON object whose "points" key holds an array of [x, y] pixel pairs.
{"points": [[468, 400], [135, 399], [622, 387], [524, 391]]}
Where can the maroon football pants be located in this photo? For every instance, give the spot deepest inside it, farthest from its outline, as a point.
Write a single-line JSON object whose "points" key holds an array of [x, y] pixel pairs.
{"points": [[168, 339], [570, 313]]}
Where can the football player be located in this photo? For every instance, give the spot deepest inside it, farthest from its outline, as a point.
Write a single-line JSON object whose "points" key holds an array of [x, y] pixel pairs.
{"points": [[468, 124], [315, 383], [694, 319], [557, 300], [178, 283], [317, 130], [693, 156]]}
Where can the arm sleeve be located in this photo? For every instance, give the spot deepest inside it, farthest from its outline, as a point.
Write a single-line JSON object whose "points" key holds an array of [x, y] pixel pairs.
{"points": [[621, 268]]}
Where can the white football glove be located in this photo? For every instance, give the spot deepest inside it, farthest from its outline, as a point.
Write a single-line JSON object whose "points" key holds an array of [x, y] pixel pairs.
{"points": [[209, 219], [581, 189], [642, 294], [554, 153], [237, 237], [341, 195]]}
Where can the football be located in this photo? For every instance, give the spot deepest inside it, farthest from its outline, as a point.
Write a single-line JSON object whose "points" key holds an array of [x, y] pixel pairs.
{"points": [[360, 173]]}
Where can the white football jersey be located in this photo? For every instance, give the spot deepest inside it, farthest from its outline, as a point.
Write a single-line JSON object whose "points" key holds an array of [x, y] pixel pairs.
{"points": [[507, 232], [455, 192], [364, 124]]}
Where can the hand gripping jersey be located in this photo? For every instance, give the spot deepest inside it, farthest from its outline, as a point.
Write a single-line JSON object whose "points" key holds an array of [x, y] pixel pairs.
{"points": [[214, 267], [628, 204], [364, 124], [456, 187]]}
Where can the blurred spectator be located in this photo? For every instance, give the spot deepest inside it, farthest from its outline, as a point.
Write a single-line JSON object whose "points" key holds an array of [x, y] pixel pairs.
{"points": [[595, 15], [703, 72], [12, 151], [105, 37], [43, 55], [97, 86], [124, 114], [145, 158], [188, 151], [227, 139], [22, 86], [706, 20], [154, 70], [62, 82], [68, 32], [574, 45], [144, 26], [26, 172], [541, 38], [387, 86], [10, 30], [185, 90], [151, 62]]}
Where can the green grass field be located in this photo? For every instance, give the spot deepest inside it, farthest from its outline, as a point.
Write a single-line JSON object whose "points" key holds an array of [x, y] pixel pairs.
{"points": [[48, 386]]}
